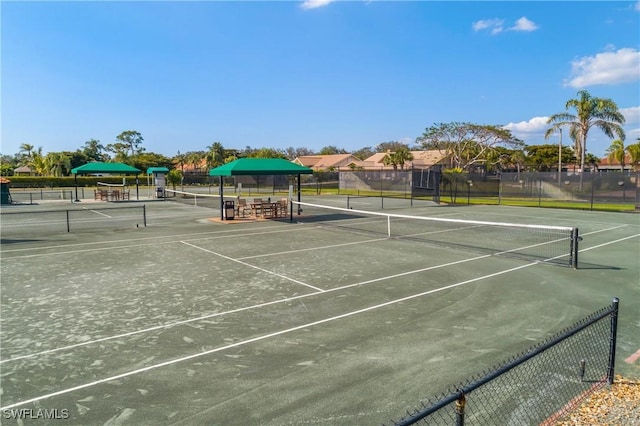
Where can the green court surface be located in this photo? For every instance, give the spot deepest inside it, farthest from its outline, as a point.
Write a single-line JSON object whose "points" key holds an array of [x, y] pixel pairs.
{"points": [[194, 321]]}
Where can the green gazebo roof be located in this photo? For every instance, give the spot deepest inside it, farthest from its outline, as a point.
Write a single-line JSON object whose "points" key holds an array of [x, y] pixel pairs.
{"points": [[152, 170], [260, 166], [97, 167]]}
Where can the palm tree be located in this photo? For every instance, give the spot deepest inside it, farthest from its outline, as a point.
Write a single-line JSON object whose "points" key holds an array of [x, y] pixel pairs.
{"points": [[194, 159], [38, 163], [590, 111], [216, 155], [634, 153], [401, 156], [616, 152], [180, 160], [26, 149], [58, 163]]}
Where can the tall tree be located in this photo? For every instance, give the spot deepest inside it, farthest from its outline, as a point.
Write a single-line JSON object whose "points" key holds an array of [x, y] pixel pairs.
{"points": [[467, 144], [120, 151], [331, 150], [634, 153], [195, 158], [38, 163], [617, 152], [398, 158], [26, 149], [364, 153], [392, 146], [267, 153], [132, 140], [293, 153], [589, 112], [216, 155], [59, 163], [545, 157], [180, 160], [94, 150]]}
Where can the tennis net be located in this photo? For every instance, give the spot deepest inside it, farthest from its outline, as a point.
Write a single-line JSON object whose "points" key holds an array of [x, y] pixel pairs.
{"points": [[196, 199], [27, 223], [552, 244]]}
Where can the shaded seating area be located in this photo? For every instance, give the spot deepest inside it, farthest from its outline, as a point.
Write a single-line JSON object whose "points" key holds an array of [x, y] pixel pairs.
{"points": [[111, 194], [260, 167], [106, 194], [242, 208]]}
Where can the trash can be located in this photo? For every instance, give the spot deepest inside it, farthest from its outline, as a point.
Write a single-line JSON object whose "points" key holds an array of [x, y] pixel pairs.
{"points": [[159, 192], [229, 209]]}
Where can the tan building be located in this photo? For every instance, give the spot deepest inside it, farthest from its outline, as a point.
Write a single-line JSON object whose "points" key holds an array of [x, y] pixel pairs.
{"points": [[24, 171], [328, 162], [614, 166], [421, 160]]}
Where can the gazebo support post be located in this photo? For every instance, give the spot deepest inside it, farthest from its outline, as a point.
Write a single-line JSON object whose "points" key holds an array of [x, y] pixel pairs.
{"points": [[137, 189], [75, 179], [221, 199], [299, 186]]}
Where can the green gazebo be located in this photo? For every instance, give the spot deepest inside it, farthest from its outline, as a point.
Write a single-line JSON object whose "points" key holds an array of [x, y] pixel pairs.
{"points": [[257, 167], [111, 168]]}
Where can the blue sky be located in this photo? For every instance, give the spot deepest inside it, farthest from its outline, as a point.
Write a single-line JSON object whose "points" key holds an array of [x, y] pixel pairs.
{"points": [[306, 74]]}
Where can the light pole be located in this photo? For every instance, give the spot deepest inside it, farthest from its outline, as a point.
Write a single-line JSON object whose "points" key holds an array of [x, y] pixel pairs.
{"points": [[560, 158]]}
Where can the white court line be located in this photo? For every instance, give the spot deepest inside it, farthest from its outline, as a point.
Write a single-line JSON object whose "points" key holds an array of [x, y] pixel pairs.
{"points": [[95, 211], [181, 236], [245, 308], [611, 242], [121, 246], [313, 248], [173, 324], [254, 267], [259, 338], [281, 332]]}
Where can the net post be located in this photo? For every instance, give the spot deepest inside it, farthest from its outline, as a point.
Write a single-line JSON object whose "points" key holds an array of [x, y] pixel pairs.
{"points": [[389, 226], [574, 248], [68, 226], [612, 339], [144, 214]]}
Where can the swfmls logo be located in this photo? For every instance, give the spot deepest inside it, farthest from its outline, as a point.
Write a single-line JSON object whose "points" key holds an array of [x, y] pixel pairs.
{"points": [[37, 414]]}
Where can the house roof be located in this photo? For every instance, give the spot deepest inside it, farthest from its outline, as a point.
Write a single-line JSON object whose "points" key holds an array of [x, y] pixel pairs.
{"points": [[98, 167], [326, 161], [260, 166], [420, 158], [23, 169], [605, 162]]}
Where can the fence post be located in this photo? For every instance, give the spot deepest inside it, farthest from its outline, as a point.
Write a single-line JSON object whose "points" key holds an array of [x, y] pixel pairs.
{"points": [[612, 339], [460, 403], [144, 214]]}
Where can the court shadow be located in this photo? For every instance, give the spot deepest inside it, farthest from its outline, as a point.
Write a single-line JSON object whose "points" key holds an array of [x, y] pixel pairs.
{"points": [[17, 241], [582, 265]]}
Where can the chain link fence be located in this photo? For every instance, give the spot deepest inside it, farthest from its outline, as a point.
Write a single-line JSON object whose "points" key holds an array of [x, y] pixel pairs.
{"points": [[586, 191], [538, 386]]}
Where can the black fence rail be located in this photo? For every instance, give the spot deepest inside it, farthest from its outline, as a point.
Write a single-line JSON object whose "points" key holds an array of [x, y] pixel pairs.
{"points": [[24, 223], [31, 197], [539, 386]]}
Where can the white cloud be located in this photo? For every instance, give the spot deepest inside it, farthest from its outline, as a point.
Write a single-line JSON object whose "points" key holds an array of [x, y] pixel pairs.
{"points": [[631, 115], [494, 25], [523, 24], [622, 66], [313, 4], [535, 125]]}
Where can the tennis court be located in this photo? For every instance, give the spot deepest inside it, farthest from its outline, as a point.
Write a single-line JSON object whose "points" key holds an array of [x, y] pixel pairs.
{"points": [[190, 320]]}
